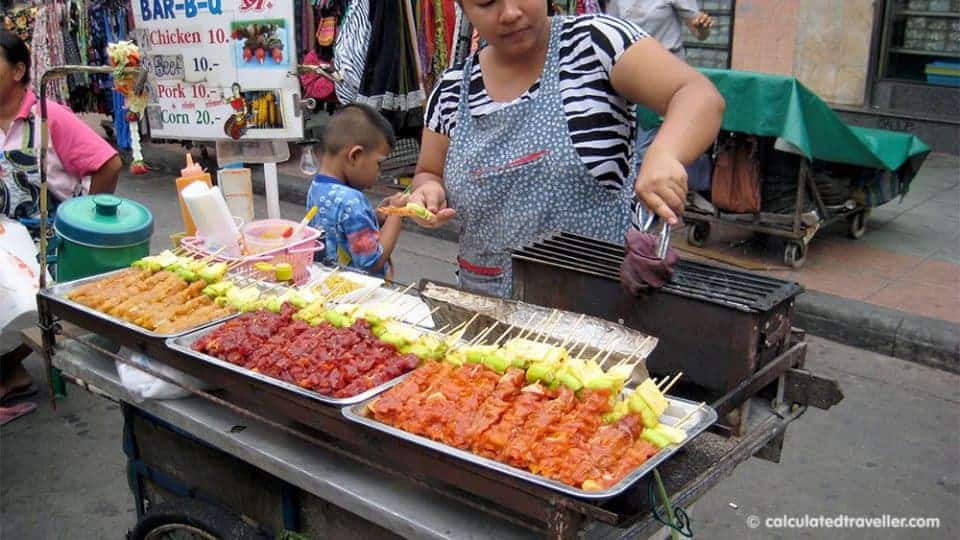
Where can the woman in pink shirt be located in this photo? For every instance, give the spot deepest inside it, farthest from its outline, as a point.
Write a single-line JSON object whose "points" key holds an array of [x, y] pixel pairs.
{"points": [[78, 162]]}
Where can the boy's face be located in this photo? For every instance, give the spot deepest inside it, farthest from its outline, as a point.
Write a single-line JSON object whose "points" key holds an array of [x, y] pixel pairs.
{"points": [[362, 166]]}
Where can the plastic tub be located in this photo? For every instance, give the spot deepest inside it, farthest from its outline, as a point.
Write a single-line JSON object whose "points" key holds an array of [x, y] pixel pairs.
{"points": [[266, 235]]}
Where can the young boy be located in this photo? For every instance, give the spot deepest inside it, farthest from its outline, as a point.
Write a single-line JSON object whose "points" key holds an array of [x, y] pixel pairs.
{"points": [[356, 140]]}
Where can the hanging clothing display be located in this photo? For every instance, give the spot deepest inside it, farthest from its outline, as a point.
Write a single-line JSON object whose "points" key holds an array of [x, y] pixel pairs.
{"points": [[350, 49], [70, 32], [390, 82], [443, 37]]}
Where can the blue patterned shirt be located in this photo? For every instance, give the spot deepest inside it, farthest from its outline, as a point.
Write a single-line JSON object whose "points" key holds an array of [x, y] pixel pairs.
{"points": [[353, 233]]}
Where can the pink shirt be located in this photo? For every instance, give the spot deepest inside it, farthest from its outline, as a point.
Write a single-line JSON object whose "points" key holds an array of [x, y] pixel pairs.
{"points": [[75, 151]]}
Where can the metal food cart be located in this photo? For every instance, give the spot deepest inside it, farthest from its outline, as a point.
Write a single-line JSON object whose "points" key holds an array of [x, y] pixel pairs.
{"points": [[815, 170], [253, 458]]}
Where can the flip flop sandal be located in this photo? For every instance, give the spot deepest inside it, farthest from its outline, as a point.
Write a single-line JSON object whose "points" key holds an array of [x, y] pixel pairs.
{"points": [[19, 393], [9, 414]]}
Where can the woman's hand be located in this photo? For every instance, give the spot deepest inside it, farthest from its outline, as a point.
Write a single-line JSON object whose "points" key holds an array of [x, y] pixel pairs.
{"points": [[433, 197], [641, 268], [662, 185]]}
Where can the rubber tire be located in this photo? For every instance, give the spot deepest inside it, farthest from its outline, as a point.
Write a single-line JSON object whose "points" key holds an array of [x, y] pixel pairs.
{"points": [[192, 513], [697, 233], [858, 224], [794, 254]]}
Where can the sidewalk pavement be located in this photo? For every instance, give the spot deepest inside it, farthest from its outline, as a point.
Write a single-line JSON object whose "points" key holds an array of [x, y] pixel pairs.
{"points": [[895, 291]]}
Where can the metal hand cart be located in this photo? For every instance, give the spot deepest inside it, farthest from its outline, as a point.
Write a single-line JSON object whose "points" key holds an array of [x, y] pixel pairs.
{"points": [[879, 164]]}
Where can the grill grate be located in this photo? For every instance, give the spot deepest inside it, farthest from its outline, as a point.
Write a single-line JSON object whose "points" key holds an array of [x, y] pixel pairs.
{"points": [[733, 288]]}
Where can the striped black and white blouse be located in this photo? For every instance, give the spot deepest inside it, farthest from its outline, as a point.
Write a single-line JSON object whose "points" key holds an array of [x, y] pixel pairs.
{"points": [[600, 121]]}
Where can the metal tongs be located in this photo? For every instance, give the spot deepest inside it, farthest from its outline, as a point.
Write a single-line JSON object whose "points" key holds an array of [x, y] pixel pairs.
{"points": [[647, 219]]}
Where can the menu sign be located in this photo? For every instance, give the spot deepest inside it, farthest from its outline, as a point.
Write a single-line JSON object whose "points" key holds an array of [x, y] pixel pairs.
{"points": [[220, 69]]}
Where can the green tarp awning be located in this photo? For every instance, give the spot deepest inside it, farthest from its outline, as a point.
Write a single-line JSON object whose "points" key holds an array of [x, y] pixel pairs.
{"points": [[777, 106]]}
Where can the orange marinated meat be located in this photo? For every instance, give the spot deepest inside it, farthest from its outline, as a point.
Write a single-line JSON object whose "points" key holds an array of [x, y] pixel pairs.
{"points": [[604, 449], [637, 454], [413, 417], [519, 451], [476, 384], [506, 391], [492, 442], [564, 442], [439, 408]]}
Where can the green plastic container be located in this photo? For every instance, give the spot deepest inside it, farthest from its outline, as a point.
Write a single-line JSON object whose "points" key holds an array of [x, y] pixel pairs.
{"points": [[100, 233]]}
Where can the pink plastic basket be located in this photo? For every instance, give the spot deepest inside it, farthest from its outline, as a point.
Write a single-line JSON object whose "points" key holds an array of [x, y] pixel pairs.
{"points": [[298, 254]]}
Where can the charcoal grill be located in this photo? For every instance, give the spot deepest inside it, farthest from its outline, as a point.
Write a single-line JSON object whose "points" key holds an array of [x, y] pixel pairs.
{"points": [[718, 326]]}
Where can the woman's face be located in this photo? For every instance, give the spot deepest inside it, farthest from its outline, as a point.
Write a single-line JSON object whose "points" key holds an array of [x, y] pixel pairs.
{"points": [[512, 27], [10, 76]]}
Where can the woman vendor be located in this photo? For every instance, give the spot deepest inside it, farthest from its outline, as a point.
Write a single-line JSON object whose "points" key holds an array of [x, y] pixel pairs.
{"points": [[534, 133]]}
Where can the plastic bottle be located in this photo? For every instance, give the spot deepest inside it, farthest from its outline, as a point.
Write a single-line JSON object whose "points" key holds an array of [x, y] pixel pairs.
{"points": [[188, 175]]}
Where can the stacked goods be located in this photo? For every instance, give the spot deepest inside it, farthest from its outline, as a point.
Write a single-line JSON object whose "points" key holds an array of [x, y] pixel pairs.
{"points": [[338, 361], [534, 406], [163, 293]]}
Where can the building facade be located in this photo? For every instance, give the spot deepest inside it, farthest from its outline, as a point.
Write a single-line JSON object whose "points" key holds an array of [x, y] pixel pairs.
{"points": [[890, 64]]}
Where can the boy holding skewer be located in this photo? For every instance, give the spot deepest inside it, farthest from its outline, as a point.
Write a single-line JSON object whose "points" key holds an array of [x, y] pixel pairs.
{"points": [[356, 141]]}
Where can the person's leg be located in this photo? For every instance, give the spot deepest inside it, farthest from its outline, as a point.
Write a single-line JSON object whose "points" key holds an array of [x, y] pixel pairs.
{"points": [[13, 376]]}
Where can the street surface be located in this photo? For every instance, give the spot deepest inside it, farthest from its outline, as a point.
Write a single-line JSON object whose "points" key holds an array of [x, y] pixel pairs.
{"points": [[891, 447]]}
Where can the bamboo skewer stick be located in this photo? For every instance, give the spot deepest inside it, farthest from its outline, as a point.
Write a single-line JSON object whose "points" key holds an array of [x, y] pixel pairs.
{"points": [[610, 350], [427, 316], [555, 317], [463, 328], [572, 330], [455, 329], [529, 329], [535, 335], [673, 382], [395, 295], [483, 335], [623, 361], [403, 315], [689, 415], [213, 255], [503, 335]]}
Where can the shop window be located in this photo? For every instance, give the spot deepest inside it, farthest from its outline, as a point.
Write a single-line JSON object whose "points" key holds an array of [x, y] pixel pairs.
{"points": [[921, 41]]}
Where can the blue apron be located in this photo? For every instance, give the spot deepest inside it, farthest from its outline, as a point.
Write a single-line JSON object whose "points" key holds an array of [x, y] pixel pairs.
{"points": [[514, 175]]}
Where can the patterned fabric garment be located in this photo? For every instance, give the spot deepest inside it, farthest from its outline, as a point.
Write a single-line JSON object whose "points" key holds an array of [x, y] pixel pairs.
{"points": [[348, 218], [600, 122], [389, 82], [515, 174], [350, 49]]}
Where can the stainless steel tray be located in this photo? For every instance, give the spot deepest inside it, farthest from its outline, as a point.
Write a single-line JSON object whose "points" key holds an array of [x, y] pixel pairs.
{"points": [[678, 409], [59, 293], [184, 344]]}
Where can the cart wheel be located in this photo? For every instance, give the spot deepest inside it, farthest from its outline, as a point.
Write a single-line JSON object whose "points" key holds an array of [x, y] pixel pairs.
{"points": [[191, 519], [858, 224], [794, 254], [697, 233]]}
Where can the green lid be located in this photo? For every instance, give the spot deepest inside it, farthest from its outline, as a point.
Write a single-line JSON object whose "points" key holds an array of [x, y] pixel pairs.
{"points": [[104, 220]]}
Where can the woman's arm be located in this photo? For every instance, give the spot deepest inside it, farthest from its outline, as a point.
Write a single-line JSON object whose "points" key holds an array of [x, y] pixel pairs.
{"points": [[428, 188], [104, 179], [692, 109]]}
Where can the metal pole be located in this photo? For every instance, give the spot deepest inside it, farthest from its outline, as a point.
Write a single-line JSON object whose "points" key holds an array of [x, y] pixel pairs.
{"points": [[54, 380]]}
